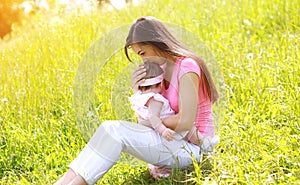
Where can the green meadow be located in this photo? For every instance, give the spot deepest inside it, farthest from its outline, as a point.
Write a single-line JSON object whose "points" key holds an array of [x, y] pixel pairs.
{"points": [[255, 44]]}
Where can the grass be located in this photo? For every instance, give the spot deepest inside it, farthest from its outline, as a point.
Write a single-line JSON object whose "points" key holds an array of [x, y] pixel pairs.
{"points": [[256, 44]]}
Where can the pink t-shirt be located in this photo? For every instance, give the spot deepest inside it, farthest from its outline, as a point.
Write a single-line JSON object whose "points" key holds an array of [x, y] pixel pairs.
{"points": [[203, 120]]}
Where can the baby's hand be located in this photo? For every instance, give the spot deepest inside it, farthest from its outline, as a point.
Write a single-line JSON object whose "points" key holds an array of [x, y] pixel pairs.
{"points": [[168, 134]]}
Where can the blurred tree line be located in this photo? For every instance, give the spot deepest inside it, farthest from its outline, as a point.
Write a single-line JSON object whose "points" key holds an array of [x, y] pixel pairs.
{"points": [[9, 13], [17, 11]]}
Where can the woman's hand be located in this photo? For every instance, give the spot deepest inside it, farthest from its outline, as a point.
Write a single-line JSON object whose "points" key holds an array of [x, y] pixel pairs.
{"points": [[136, 77]]}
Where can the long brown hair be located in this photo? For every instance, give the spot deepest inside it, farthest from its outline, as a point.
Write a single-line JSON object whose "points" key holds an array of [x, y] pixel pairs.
{"points": [[150, 31]]}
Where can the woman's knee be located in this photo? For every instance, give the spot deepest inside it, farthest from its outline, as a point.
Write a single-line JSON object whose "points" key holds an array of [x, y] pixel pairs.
{"points": [[106, 136], [107, 125]]}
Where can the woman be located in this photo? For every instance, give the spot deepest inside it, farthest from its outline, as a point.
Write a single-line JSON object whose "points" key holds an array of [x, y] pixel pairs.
{"points": [[190, 91]]}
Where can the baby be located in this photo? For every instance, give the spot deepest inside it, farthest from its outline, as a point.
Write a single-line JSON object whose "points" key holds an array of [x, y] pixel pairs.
{"points": [[148, 103]]}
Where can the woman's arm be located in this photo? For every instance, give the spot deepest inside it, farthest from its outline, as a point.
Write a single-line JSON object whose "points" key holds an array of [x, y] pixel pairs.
{"points": [[188, 101]]}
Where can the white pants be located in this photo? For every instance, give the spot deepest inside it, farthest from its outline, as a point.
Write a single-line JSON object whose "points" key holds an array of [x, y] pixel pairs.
{"points": [[114, 137]]}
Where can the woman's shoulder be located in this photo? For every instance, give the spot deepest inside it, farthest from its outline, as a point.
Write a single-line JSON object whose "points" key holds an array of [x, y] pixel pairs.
{"points": [[188, 64], [187, 61]]}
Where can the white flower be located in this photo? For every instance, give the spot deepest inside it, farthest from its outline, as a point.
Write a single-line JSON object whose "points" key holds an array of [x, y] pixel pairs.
{"points": [[247, 22], [231, 75], [250, 56], [4, 100]]}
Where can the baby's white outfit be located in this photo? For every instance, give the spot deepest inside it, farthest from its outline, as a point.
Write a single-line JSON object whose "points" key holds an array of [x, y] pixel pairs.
{"points": [[139, 99]]}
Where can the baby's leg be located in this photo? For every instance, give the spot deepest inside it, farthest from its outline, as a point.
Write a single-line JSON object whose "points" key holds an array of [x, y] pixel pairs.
{"points": [[194, 136], [206, 143]]}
